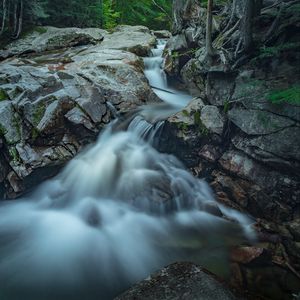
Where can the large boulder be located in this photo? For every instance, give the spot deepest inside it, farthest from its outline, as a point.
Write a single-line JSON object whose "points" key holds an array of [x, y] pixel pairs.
{"points": [[179, 281], [53, 103], [50, 38], [135, 39]]}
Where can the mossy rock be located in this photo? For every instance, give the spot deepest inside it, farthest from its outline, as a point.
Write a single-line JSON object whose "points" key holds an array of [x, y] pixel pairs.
{"points": [[3, 95]]}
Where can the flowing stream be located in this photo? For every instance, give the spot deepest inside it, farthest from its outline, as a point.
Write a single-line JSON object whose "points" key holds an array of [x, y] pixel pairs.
{"points": [[117, 212]]}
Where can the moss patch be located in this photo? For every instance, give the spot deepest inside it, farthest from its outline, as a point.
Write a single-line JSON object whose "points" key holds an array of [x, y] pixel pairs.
{"points": [[38, 114], [290, 96], [3, 95], [266, 52], [3, 130], [198, 123], [14, 155]]}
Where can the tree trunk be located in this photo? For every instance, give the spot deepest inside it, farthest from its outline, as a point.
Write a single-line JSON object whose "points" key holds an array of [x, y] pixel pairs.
{"points": [[4, 6], [209, 48], [247, 26], [19, 20], [177, 9]]}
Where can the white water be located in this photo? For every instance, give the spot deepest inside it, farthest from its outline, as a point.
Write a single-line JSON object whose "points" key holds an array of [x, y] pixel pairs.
{"points": [[116, 213]]}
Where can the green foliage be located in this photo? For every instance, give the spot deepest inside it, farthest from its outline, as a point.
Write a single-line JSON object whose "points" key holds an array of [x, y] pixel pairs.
{"points": [[87, 13], [154, 14], [266, 52], [290, 95]]}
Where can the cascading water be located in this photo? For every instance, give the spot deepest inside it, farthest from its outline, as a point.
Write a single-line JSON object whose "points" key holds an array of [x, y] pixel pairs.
{"points": [[117, 212]]}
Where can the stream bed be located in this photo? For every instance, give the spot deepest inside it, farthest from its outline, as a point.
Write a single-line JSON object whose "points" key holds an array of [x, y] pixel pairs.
{"points": [[117, 212]]}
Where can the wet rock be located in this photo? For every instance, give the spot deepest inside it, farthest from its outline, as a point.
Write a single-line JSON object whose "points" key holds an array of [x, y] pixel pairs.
{"points": [[58, 101], [179, 281], [250, 255]]}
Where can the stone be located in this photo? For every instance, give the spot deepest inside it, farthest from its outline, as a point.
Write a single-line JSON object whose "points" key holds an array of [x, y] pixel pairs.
{"points": [[281, 149], [58, 101], [162, 34], [193, 78], [241, 165], [135, 39], [220, 86], [294, 228], [255, 122], [179, 281], [9, 123], [212, 119], [51, 38]]}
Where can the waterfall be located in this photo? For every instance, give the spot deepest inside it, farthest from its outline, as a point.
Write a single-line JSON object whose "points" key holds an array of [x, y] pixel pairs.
{"points": [[117, 212]]}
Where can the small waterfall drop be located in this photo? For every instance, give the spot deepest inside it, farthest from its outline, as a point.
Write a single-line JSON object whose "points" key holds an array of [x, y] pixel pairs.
{"points": [[117, 212]]}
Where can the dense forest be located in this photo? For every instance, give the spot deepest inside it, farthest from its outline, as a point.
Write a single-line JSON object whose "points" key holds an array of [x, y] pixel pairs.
{"points": [[19, 14]]}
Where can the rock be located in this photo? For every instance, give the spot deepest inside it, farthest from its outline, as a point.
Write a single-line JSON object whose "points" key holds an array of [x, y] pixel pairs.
{"points": [[9, 123], [182, 281], [250, 255], [135, 39], [242, 166], [212, 119], [281, 149], [162, 34], [174, 54], [294, 228], [193, 78], [51, 38], [255, 122], [220, 85], [57, 102]]}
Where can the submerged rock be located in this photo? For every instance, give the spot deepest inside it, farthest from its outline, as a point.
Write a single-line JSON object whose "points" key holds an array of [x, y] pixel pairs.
{"points": [[179, 281]]}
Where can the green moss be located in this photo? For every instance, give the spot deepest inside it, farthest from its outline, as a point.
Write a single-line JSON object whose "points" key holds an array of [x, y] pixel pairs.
{"points": [[3, 130], [185, 113], [198, 123], [183, 126], [33, 29], [290, 95], [3, 95], [13, 153], [34, 133], [226, 106], [39, 113], [266, 52]]}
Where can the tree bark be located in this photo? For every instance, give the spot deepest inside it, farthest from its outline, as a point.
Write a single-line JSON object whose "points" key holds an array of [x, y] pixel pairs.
{"points": [[209, 47], [247, 26], [4, 6], [18, 19]]}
